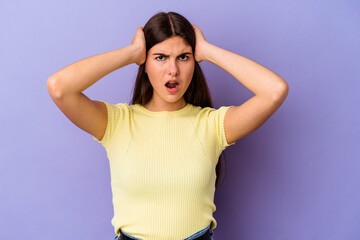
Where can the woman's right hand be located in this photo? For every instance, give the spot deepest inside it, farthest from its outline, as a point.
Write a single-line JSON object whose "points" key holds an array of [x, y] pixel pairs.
{"points": [[138, 42]]}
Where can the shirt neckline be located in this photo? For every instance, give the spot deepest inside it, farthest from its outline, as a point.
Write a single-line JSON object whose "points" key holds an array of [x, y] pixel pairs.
{"points": [[164, 113]]}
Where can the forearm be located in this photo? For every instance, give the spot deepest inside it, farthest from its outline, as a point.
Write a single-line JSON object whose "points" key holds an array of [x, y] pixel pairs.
{"points": [[258, 79], [80, 75]]}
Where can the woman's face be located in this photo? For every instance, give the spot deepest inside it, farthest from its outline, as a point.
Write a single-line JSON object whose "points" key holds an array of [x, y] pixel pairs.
{"points": [[168, 60]]}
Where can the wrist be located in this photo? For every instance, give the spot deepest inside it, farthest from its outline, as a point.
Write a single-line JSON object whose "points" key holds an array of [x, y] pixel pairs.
{"points": [[209, 49], [138, 54], [133, 53]]}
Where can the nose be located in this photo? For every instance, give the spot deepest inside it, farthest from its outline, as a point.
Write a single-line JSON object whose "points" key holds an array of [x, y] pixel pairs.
{"points": [[173, 68]]}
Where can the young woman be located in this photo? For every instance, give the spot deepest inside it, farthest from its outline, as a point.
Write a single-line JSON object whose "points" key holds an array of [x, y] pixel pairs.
{"points": [[164, 147]]}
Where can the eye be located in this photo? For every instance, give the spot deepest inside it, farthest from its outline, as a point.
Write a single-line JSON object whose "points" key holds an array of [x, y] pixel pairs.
{"points": [[186, 57], [157, 58]]}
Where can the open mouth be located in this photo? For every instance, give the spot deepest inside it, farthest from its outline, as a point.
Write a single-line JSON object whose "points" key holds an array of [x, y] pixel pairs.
{"points": [[172, 85]]}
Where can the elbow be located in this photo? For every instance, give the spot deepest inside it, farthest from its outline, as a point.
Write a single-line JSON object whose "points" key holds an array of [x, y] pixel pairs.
{"points": [[52, 87], [282, 92]]}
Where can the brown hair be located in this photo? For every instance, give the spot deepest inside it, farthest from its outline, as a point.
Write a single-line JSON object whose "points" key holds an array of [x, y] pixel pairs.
{"points": [[160, 27]]}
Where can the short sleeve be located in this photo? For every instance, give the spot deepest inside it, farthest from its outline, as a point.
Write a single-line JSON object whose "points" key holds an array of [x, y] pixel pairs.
{"points": [[218, 116], [115, 113]]}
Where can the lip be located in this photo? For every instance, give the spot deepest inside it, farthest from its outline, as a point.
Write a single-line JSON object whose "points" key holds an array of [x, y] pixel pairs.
{"points": [[172, 80]]}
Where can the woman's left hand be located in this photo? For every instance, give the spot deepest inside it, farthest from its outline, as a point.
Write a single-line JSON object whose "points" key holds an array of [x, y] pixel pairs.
{"points": [[201, 45]]}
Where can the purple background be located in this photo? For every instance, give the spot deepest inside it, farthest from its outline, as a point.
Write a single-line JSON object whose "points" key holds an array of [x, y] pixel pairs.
{"points": [[296, 177]]}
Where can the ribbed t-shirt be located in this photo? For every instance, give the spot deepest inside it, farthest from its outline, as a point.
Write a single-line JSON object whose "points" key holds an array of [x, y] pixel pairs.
{"points": [[162, 167]]}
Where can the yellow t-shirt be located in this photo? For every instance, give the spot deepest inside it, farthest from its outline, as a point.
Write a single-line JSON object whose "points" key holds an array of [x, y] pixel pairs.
{"points": [[162, 167]]}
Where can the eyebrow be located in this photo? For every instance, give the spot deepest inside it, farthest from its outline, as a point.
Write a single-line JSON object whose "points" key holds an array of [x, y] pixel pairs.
{"points": [[169, 55]]}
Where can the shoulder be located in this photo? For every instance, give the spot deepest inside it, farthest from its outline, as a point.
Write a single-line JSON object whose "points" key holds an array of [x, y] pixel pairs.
{"points": [[210, 112]]}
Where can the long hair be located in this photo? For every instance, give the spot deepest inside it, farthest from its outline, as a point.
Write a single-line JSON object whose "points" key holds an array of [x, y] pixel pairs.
{"points": [[159, 28]]}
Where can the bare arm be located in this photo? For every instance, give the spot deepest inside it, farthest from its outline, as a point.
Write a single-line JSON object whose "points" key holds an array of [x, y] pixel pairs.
{"points": [[260, 80], [269, 88], [80, 75], [66, 86], [257, 78]]}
